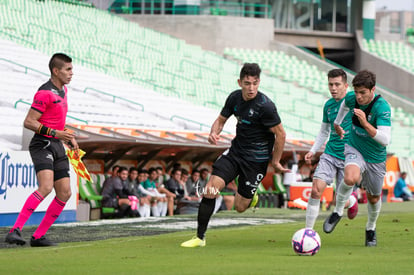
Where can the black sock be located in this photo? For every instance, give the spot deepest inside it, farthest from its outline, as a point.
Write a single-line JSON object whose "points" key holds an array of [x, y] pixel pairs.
{"points": [[205, 211]]}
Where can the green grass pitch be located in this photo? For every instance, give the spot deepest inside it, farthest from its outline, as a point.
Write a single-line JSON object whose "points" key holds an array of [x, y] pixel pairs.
{"points": [[259, 249]]}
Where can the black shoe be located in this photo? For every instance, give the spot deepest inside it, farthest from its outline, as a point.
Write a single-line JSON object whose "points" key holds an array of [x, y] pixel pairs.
{"points": [[42, 241], [331, 222], [370, 238], [15, 237]]}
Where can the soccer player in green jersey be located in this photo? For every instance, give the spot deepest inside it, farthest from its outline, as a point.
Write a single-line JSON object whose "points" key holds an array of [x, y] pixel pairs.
{"points": [[332, 161], [365, 150]]}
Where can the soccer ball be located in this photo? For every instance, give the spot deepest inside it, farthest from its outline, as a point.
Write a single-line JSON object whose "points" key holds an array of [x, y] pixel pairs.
{"points": [[306, 242]]}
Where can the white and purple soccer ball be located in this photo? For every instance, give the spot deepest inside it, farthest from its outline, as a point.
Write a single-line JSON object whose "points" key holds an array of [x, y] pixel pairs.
{"points": [[306, 242]]}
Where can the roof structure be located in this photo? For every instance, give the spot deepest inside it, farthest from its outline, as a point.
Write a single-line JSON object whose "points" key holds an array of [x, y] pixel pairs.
{"points": [[114, 143]]}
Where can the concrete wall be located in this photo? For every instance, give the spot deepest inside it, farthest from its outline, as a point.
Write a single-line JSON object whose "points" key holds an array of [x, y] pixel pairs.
{"points": [[389, 75], [212, 33], [101, 4], [329, 40]]}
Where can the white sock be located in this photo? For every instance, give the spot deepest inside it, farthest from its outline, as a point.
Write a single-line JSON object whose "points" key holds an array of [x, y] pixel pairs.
{"points": [[373, 213], [154, 211], [141, 210], [218, 204], [342, 195], [312, 212], [164, 209], [147, 210], [159, 206]]}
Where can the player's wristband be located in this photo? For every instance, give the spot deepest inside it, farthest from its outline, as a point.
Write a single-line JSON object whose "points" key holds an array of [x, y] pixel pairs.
{"points": [[43, 130]]}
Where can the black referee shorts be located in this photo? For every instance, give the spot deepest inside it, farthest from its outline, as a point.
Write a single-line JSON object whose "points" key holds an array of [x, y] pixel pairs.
{"points": [[49, 154], [228, 166]]}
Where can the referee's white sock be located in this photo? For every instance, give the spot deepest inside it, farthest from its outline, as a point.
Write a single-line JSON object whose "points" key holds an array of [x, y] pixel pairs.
{"points": [[343, 193], [373, 213], [312, 212]]}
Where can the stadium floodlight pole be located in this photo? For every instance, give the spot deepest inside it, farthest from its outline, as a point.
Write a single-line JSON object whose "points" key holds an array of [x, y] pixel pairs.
{"points": [[368, 19]]}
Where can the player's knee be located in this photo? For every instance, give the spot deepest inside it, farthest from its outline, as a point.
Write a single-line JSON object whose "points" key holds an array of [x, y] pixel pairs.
{"points": [[350, 180], [373, 199], [45, 190], [240, 208], [316, 194]]}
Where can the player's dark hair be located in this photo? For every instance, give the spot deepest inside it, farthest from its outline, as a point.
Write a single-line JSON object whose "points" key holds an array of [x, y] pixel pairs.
{"points": [[122, 169], [115, 167], [203, 170], [403, 174], [58, 60], [338, 72], [132, 169], [152, 169], [365, 79], [250, 69], [145, 171], [184, 172], [195, 171], [175, 170]]}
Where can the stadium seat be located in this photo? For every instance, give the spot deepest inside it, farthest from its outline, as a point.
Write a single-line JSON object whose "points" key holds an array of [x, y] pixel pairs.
{"points": [[267, 198], [87, 193]]}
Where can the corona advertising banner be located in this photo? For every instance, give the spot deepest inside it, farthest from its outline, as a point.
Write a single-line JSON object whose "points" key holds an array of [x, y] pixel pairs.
{"points": [[18, 181]]}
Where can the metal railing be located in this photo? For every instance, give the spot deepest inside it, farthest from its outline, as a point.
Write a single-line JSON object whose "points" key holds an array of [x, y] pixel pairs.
{"points": [[114, 97], [218, 8], [202, 125], [26, 68], [69, 116], [173, 79]]}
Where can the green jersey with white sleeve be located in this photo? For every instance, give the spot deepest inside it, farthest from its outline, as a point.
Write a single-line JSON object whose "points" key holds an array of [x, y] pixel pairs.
{"points": [[335, 145], [380, 115]]}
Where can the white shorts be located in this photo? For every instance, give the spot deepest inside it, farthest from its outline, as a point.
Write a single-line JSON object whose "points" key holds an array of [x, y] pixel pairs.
{"points": [[328, 168], [372, 173]]}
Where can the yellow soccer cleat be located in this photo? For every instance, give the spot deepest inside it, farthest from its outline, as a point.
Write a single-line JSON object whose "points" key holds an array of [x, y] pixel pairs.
{"points": [[194, 242], [254, 200]]}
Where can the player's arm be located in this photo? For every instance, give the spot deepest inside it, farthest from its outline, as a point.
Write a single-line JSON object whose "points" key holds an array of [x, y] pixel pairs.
{"points": [[216, 129], [381, 134], [319, 141], [343, 111], [280, 138], [31, 122]]}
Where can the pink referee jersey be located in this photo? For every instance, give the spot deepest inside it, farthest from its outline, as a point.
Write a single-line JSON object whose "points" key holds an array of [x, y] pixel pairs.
{"points": [[52, 103]]}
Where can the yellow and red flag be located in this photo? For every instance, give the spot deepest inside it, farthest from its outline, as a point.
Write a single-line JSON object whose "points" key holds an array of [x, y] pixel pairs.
{"points": [[75, 158]]}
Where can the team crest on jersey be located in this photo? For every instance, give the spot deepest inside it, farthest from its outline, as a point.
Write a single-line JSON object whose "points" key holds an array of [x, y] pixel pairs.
{"points": [[369, 116], [352, 156], [387, 114], [251, 112]]}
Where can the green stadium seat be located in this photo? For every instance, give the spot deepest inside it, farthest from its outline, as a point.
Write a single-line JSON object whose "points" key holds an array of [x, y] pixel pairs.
{"points": [[87, 193]]}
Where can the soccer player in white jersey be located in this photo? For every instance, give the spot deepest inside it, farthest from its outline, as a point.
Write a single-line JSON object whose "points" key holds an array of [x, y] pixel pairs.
{"points": [[332, 161], [365, 150]]}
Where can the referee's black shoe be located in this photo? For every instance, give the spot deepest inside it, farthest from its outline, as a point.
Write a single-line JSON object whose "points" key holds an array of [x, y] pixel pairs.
{"points": [[15, 237], [331, 222], [42, 241]]}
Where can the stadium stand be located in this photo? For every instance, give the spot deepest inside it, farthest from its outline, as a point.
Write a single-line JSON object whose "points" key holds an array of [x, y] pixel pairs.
{"points": [[310, 102], [100, 104], [395, 52]]}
